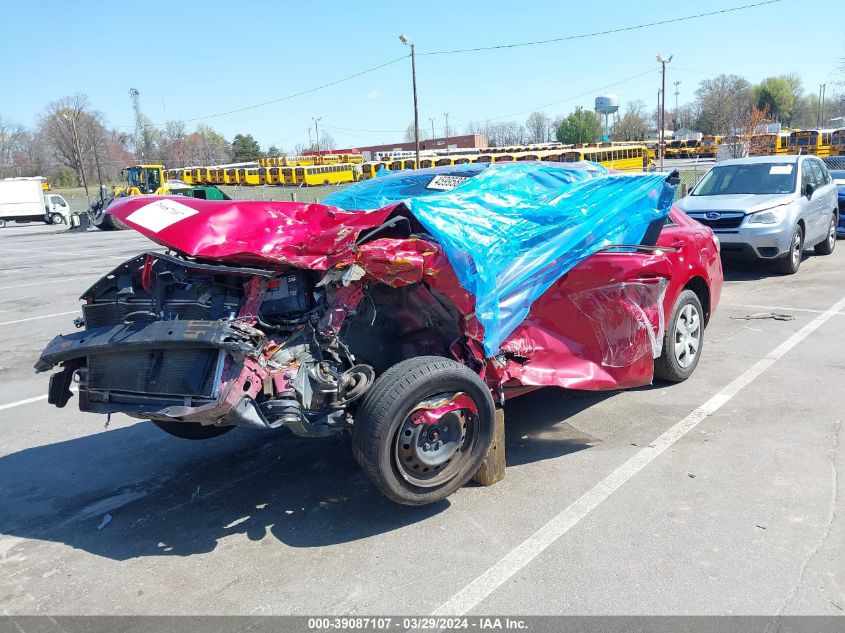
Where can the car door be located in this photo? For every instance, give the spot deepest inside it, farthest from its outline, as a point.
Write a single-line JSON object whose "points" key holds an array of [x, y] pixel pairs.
{"points": [[820, 200], [828, 199], [807, 205]]}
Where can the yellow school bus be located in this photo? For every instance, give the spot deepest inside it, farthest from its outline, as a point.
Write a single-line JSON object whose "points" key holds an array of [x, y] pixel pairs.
{"points": [[708, 146], [427, 162], [315, 175], [837, 143], [289, 175], [248, 176], [810, 142], [623, 158], [396, 165], [770, 144], [445, 161], [370, 168]]}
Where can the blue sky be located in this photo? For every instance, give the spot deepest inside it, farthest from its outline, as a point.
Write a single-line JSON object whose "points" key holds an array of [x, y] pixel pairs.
{"points": [[195, 59]]}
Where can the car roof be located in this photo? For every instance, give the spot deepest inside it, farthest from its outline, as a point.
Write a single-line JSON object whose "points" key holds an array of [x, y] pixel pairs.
{"points": [[785, 158]]}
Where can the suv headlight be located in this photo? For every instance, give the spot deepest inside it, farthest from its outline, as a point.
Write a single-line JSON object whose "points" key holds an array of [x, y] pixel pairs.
{"points": [[770, 216]]}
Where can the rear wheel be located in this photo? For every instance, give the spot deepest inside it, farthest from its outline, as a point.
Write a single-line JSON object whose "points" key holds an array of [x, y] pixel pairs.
{"points": [[423, 429], [191, 430], [789, 264], [682, 341], [826, 247]]}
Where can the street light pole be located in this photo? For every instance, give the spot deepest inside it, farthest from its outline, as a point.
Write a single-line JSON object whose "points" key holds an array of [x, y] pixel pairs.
{"points": [[663, 62], [78, 153], [317, 132], [432, 127], [675, 83], [408, 42]]}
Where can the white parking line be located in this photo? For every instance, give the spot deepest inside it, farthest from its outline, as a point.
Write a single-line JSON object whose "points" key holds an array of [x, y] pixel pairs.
{"points": [[780, 308], [43, 316], [19, 403], [472, 594], [52, 281]]}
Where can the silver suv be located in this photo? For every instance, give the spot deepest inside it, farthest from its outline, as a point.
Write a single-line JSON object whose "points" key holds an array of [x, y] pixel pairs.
{"points": [[768, 207]]}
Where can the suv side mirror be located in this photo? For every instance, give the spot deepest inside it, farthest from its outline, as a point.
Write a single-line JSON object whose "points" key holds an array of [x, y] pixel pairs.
{"points": [[808, 190]]}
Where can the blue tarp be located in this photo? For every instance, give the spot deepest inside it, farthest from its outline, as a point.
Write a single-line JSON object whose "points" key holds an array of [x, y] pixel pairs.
{"points": [[511, 230]]}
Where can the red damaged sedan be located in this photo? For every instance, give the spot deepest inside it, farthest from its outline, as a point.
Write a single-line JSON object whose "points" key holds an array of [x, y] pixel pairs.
{"points": [[404, 309]]}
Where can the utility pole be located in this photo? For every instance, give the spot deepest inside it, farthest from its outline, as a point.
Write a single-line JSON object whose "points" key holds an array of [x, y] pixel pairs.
{"points": [[78, 153], [580, 128], [432, 127], [317, 132], [675, 83], [663, 62], [447, 132], [820, 117], [407, 42]]}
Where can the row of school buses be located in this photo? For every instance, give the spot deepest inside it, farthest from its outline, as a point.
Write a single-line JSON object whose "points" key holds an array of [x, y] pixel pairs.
{"points": [[308, 171], [818, 142]]}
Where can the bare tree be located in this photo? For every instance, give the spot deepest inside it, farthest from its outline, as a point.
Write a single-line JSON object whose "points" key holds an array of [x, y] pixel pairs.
{"points": [[724, 104], [12, 138], [67, 122], [739, 144], [537, 126], [634, 124]]}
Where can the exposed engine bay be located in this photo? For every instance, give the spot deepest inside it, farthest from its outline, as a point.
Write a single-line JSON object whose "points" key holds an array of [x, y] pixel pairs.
{"points": [[169, 339]]}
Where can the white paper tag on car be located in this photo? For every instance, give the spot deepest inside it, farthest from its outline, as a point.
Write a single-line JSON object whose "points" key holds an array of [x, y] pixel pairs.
{"points": [[160, 214], [444, 183], [780, 170]]}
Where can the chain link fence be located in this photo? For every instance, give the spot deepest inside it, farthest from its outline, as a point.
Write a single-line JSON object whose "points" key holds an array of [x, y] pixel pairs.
{"points": [[287, 194]]}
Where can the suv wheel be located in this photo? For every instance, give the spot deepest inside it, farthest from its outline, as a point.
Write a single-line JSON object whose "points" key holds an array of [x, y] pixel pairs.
{"points": [[826, 247], [789, 264]]}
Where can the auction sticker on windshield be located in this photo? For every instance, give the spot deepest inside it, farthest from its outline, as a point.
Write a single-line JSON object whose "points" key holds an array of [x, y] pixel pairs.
{"points": [[160, 214], [444, 183], [782, 170]]}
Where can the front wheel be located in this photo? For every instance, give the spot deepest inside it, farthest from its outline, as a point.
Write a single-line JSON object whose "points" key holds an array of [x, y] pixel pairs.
{"points": [[789, 264], [826, 247], [57, 218], [423, 429], [682, 341], [191, 430], [2, 223]]}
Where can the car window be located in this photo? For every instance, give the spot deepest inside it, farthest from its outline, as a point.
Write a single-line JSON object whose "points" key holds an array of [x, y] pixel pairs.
{"points": [[825, 179], [807, 177], [754, 178], [818, 176]]}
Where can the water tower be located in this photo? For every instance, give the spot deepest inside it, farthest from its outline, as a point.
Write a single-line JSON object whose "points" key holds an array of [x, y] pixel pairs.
{"points": [[607, 104]]}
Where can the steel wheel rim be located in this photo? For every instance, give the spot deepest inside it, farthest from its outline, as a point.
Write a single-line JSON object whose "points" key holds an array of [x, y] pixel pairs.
{"points": [[687, 335], [831, 238], [456, 432]]}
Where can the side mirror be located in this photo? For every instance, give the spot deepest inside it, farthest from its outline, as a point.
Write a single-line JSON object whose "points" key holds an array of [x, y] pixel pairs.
{"points": [[808, 190]]}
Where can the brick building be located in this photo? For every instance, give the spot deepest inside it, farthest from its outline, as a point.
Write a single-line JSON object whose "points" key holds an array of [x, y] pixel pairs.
{"points": [[467, 141]]}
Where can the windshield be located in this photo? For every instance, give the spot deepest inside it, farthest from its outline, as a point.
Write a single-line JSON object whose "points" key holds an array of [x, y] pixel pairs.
{"points": [[754, 178]]}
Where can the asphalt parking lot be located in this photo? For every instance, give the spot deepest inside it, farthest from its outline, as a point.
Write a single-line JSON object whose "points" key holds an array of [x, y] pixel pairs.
{"points": [[720, 495]]}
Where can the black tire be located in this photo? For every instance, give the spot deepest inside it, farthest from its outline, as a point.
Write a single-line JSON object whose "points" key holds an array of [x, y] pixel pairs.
{"points": [[384, 413], [790, 264], [2, 223], [191, 430], [676, 362], [826, 247], [110, 223], [57, 218]]}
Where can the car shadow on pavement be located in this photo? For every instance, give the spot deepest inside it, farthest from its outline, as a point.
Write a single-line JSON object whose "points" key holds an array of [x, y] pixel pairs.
{"points": [[133, 491], [754, 269]]}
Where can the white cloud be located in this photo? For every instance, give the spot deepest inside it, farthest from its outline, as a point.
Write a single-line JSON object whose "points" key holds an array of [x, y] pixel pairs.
{"points": [[372, 94]]}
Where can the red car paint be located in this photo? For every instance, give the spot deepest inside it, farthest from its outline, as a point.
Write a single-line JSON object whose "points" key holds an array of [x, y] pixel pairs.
{"points": [[558, 344]]}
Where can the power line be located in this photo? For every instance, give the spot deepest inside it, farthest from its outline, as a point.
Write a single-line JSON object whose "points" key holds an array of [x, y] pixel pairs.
{"points": [[597, 33], [504, 116], [279, 99]]}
